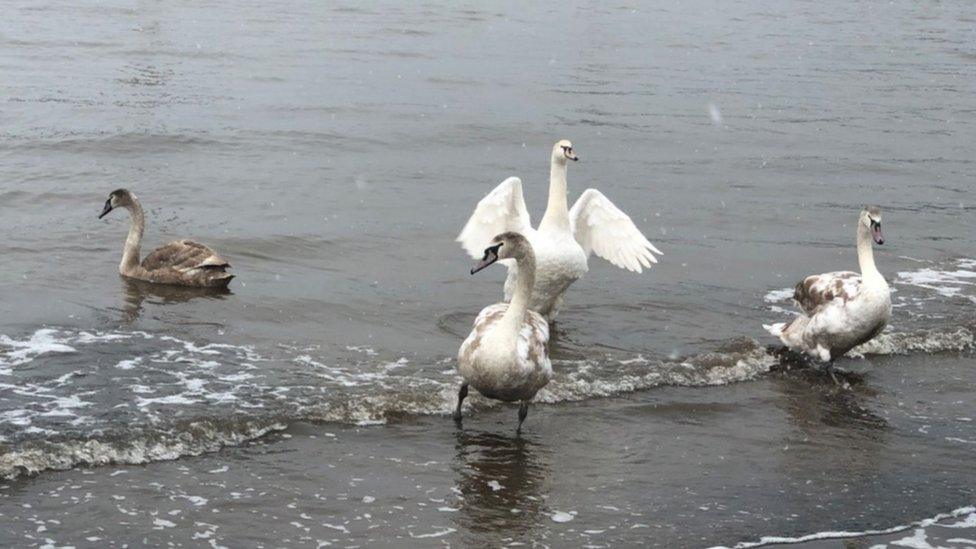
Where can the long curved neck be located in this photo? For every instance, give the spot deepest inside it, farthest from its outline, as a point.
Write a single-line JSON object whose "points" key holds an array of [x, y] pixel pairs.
{"points": [[515, 315], [865, 255], [130, 254], [557, 212]]}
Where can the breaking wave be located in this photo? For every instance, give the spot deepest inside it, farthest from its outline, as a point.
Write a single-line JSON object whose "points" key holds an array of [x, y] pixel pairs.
{"points": [[160, 397]]}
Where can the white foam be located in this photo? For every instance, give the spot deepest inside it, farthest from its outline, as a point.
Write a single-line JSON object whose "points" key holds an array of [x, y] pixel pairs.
{"points": [[41, 342], [779, 296], [436, 534], [171, 399], [202, 437], [368, 351], [926, 341], [946, 283], [968, 522], [918, 540], [196, 501], [774, 540], [161, 523], [561, 516]]}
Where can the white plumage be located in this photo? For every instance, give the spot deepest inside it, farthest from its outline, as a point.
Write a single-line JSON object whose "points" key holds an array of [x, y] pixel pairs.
{"points": [[842, 309], [565, 238], [506, 356]]}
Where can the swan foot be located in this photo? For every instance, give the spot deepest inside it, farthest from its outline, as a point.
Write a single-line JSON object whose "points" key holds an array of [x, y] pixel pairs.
{"points": [[523, 412], [462, 394], [833, 376]]}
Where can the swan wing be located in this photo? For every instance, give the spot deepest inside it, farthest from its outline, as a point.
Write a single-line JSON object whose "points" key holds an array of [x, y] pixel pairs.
{"points": [[535, 335], [503, 209], [184, 255], [815, 292], [602, 228]]}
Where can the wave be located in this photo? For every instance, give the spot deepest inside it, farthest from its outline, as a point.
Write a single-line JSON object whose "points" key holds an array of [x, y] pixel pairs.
{"points": [[123, 410], [968, 522], [191, 439]]}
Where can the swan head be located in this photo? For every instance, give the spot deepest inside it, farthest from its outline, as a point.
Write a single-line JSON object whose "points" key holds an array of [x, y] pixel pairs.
{"points": [[119, 198], [508, 245], [871, 218], [563, 151]]}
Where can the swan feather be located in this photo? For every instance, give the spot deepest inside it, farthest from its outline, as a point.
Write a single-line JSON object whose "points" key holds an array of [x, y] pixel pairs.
{"points": [[602, 228]]}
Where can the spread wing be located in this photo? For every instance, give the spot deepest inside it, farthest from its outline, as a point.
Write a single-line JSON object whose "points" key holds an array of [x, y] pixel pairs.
{"points": [[184, 255], [817, 291], [601, 228], [502, 210]]}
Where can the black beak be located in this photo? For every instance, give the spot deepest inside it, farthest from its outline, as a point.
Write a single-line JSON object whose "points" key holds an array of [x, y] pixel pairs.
{"points": [[106, 209], [574, 158], [491, 256]]}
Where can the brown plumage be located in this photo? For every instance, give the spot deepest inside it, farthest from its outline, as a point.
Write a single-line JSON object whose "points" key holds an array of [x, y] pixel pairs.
{"points": [[186, 263], [181, 262], [818, 290]]}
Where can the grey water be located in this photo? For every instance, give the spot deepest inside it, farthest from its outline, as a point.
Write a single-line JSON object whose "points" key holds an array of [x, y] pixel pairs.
{"points": [[333, 150]]}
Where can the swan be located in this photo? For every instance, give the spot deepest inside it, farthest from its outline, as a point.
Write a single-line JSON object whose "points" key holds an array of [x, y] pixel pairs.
{"points": [[565, 237], [181, 262], [506, 356], [843, 309]]}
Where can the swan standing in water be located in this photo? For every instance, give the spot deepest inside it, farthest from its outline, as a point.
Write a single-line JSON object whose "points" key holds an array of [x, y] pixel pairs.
{"points": [[181, 262], [565, 237], [843, 309], [506, 357]]}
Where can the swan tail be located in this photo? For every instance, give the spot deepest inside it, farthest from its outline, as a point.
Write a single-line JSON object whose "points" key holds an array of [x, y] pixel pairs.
{"points": [[220, 280], [775, 329], [790, 333]]}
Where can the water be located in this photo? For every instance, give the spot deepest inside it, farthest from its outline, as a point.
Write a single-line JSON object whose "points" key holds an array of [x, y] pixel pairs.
{"points": [[332, 152]]}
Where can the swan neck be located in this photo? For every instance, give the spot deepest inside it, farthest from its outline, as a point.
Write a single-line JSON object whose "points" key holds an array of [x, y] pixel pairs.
{"points": [[515, 315], [130, 253], [865, 254], [557, 212]]}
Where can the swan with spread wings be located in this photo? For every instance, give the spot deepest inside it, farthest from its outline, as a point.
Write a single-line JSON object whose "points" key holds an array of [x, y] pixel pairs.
{"points": [[565, 237]]}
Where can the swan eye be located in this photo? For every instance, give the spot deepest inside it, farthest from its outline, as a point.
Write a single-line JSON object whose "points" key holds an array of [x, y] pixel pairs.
{"points": [[491, 251]]}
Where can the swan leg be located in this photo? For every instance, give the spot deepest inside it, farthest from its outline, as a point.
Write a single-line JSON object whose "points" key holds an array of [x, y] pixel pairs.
{"points": [[830, 370], [462, 394], [523, 412]]}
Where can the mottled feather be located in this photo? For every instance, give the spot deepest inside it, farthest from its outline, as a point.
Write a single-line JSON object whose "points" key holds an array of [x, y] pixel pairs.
{"points": [[532, 369], [814, 292]]}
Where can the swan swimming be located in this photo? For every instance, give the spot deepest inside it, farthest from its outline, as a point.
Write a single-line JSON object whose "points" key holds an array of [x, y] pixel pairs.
{"points": [[843, 309], [565, 237], [181, 262], [506, 356]]}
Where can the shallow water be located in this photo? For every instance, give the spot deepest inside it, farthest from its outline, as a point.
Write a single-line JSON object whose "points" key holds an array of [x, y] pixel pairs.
{"points": [[332, 153]]}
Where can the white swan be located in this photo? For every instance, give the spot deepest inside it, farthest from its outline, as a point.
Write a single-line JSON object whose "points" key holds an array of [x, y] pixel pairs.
{"points": [[565, 238], [843, 309], [506, 356]]}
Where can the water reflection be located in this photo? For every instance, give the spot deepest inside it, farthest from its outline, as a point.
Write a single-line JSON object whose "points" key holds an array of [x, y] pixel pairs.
{"points": [[813, 402], [835, 442], [503, 480], [138, 292]]}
